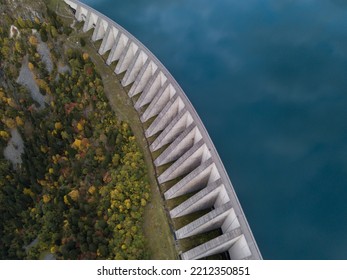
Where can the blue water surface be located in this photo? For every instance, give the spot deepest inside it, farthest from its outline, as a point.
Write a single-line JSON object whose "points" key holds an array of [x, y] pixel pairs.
{"points": [[269, 80]]}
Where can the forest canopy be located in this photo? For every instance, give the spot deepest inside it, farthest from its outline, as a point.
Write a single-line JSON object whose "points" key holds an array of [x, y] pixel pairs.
{"points": [[79, 188]]}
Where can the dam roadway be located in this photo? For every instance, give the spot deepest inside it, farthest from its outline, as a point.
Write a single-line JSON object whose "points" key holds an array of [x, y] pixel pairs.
{"points": [[182, 140]]}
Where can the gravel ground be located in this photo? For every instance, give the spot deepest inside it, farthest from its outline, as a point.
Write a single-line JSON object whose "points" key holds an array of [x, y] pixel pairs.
{"points": [[15, 148], [45, 54], [26, 78]]}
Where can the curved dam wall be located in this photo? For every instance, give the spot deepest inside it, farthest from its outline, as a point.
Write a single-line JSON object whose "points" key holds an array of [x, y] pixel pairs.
{"points": [[182, 140]]}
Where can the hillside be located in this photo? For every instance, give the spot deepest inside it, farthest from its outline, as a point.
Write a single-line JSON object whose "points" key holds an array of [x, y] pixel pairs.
{"points": [[73, 179]]}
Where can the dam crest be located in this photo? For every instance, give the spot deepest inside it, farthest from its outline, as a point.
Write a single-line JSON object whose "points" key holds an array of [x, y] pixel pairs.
{"points": [[180, 137]]}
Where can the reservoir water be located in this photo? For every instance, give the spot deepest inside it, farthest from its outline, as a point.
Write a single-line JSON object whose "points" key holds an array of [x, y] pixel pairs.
{"points": [[269, 80]]}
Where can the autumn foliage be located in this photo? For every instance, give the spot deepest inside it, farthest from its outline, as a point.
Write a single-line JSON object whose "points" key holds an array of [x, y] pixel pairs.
{"points": [[82, 187]]}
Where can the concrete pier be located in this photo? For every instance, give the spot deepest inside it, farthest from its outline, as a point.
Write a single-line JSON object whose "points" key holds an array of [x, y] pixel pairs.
{"points": [[194, 181], [172, 122], [109, 39], [89, 23], [186, 163], [162, 97], [171, 109], [217, 245], [151, 88], [130, 52], [173, 130], [117, 48], [202, 200], [181, 145], [100, 29], [134, 69], [210, 221], [142, 79]]}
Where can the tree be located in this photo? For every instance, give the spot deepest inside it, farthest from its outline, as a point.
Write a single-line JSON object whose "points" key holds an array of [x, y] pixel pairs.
{"points": [[10, 123], [21, 22], [33, 40], [4, 135], [54, 32], [5, 51], [43, 34], [82, 42]]}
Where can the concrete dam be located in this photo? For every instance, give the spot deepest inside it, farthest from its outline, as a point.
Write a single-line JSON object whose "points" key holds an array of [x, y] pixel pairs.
{"points": [[177, 134]]}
